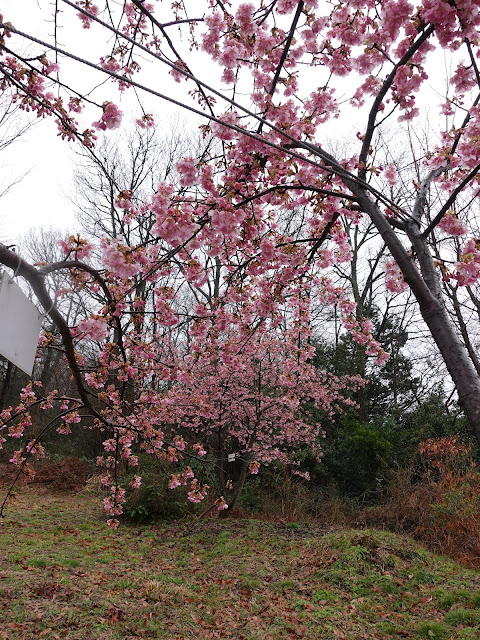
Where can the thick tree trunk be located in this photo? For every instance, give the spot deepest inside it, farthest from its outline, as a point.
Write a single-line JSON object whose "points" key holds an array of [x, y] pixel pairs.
{"points": [[458, 363], [425, 286]]}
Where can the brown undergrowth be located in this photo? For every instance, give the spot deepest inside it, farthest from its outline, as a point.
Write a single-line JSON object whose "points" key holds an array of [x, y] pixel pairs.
{"points": [[66, 474], [438, 503]]}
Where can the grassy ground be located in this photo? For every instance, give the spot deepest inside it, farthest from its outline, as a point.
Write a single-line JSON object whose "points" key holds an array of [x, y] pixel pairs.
{"points": [[63, 574]]}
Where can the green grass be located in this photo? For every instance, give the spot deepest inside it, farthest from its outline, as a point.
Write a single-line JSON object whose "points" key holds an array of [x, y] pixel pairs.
{"points": [[63, 574]]}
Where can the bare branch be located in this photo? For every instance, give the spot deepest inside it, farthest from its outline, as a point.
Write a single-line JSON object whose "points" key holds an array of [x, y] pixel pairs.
{"points": [[382, 93]]}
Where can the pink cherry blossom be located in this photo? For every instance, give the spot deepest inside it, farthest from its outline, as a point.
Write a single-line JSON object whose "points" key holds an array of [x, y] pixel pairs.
{"points": [[146, 121], [136, 482], [468, 269], [452, 225], [390, 174], [111, 117], [91, 8], [94, 327], [394, 278], [52, 68], [188, 172]]}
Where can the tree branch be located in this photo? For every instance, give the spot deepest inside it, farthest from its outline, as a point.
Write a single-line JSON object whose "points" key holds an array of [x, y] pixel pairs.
{"points": [[36, 280], [285, 51]]}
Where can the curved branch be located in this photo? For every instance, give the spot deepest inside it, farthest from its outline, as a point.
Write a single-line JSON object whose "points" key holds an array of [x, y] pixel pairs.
{"points": [[474, 172], [78, 264], [28, 455]]}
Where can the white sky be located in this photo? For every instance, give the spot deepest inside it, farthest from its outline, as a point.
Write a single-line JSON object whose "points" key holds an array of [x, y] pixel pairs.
{"points": [[38, 199], [41, 197]]}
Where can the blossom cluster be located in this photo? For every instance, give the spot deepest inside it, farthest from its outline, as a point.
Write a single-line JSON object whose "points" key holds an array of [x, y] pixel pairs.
{"points": [[394, 277]]}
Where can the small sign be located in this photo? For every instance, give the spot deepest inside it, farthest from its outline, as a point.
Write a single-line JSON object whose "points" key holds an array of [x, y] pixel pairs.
{"points": [[231, 457], [20, 325]]}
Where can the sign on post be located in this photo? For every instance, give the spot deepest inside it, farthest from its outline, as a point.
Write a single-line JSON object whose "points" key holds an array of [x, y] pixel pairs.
{"points": [[20, 325]]}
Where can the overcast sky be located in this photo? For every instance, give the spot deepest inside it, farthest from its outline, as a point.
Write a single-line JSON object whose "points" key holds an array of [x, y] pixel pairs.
{"points": [[41, 197]]}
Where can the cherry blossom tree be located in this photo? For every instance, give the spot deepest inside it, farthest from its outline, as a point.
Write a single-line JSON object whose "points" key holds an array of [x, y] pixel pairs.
{"points": [[289, 70], [248, 390]]}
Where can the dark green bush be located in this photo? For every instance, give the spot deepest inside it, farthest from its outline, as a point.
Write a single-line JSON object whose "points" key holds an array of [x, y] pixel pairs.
{"points": [[354, 459], [252, 496], [153, 500]]}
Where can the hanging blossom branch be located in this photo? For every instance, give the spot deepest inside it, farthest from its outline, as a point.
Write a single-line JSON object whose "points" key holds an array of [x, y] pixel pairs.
{"points": [[316, 150], [34, 447], [179, 64]]}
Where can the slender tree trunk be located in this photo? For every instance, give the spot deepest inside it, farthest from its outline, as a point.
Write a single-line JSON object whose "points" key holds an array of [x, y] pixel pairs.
{"points": [[360, 358], [6, 384], [237, 489], [362, 395], [464, 329]]}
